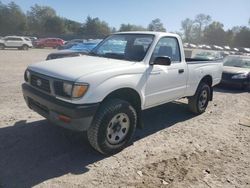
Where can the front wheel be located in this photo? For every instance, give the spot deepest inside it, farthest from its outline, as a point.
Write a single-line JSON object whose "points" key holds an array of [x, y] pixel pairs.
{"points": [[113, 126], [25, 47], [198, 103]]}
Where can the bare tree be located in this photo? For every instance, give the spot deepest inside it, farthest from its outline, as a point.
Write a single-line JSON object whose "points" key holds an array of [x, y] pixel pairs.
{"points": [[202, 20], [186, 26]]}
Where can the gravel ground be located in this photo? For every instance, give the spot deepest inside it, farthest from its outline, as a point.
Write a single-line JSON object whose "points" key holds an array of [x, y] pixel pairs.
{"points": [[175, 148]]}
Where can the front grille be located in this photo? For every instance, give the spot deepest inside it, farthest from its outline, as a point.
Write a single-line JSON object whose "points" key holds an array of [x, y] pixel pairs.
{"points": [[58, 88], [40, 83]]}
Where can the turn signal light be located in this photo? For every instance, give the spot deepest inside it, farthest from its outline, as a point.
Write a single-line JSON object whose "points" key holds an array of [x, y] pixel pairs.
{"points": [[65, 119]]}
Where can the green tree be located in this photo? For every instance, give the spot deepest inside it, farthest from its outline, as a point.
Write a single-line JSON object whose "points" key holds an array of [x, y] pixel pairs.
{"points": [[54, 26], [229, 37], [201, 20], [95, 28], [71, 27], [187, 27], [242, 38], [37, 17], [215, 34], [113, 30], [12, 19], [131, 27], [156, 25]]}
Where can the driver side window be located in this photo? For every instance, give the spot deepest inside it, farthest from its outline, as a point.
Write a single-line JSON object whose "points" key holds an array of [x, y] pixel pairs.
{"points": [[167, 46]]}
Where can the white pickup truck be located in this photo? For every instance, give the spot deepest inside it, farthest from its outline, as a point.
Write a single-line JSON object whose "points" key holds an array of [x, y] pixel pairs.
{"points": [[105, 92]]}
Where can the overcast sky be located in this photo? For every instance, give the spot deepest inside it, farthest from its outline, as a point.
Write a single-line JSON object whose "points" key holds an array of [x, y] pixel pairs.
{"points": [[141, 12]]}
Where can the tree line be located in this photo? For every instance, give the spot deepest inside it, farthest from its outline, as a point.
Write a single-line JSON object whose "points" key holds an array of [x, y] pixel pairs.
{"points": [[203, 30], [43, 21]]}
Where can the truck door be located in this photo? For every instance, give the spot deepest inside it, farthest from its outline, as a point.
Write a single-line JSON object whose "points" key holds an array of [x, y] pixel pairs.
{"points": [[166, 82]]}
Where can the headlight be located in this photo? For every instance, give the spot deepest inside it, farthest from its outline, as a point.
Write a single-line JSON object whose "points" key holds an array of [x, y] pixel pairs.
{"points": [[240, 76], [70, 90], [67, 88], [27, 76], [79, 90]]}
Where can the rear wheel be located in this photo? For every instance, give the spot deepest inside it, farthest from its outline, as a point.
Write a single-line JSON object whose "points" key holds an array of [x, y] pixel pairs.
{"points": [[113, 126], [198, 103], [2, 46]]}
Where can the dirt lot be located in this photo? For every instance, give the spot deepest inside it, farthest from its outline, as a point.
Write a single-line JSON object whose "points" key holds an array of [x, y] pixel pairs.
{"points": [[175, 149]]}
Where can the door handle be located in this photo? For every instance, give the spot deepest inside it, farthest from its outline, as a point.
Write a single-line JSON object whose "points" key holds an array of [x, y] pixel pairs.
{"points": [[181, 71], [155, 73]]}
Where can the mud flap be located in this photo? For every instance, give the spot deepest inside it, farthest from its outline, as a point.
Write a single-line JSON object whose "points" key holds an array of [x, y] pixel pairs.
{"points": [[211, 93]]}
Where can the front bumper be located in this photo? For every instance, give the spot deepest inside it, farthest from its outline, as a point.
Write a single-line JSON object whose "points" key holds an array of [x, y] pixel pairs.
{"points": [[48, 106], [239, 83]]}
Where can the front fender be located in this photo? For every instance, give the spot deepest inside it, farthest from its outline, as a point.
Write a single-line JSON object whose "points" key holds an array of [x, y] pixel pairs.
{"points": [[99, 92]]}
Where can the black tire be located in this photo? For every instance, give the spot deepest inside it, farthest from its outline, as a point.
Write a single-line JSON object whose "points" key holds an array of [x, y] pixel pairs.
{"points": [[198, 103], [107, 124], [25, 47], [2, 46]]}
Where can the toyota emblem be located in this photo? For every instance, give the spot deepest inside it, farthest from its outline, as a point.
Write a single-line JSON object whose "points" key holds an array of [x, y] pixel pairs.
{"points": [[38, 82]]}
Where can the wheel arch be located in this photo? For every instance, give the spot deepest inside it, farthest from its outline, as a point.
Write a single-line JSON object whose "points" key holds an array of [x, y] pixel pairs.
{"points": [[130, 95], [209, 81]]}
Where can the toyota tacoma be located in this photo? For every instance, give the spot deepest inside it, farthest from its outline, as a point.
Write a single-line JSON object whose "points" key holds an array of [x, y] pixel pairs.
{"points": [[104, 92]]}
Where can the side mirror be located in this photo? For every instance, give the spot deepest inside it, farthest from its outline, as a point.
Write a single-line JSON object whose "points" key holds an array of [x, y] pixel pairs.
{"points": [[162, 60]]}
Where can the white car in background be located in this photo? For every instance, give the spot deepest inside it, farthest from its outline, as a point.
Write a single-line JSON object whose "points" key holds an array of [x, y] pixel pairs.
{"points": [[22, 43]]}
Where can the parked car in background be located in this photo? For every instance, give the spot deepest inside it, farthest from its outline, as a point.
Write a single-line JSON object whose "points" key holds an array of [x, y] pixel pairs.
{"points": [[66, 46], [244, 50], [48, 42], [86, 47], [69, 44], [207, 47], [75, 41], [192, 45], [215, 47], [227, 48], [22, 43], [185, 45], [236, 49], [236, 71], [76, 50]]}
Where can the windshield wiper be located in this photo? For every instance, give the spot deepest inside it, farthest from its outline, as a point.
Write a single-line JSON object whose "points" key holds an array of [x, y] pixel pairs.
{"points": [[94, 54]]}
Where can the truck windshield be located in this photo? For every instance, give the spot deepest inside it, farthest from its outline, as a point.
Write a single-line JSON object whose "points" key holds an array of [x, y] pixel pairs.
{"points": [[131, 47]]}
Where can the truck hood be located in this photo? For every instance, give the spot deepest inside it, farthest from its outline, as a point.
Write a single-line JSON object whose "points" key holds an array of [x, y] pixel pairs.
{"points": [[73, 68]]}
